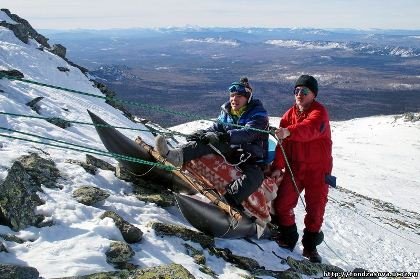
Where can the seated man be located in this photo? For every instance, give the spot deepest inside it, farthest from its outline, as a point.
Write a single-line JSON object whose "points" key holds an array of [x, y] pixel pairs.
{"points": [[240, 145]]}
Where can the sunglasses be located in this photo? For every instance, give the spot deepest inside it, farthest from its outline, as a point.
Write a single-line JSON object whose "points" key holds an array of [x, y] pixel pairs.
{"points": [[304, 90]]}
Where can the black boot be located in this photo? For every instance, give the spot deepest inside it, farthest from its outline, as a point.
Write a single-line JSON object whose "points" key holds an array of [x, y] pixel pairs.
{"points": [[287, 237], [232, 201], [310, 240]]}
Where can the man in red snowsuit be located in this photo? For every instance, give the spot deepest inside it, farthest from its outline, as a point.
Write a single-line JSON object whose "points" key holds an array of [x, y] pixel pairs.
{"points": [[306, 139]]}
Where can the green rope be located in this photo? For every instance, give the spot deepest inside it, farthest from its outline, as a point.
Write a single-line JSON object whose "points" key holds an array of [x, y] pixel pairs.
{"points": [[84, 123], [84, 149], [149, 107]]}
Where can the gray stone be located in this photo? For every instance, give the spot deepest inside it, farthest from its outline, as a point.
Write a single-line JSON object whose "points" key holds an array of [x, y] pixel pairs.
{"points": [[11, 237], [89, 195], [63, 69], [59, 50], [306, 267], [87, 167], [12, 73], [170, 271], [18, 199], [3, 248], [163, 198], [33, 104], [8, 271], [119, 252], [130, 233], [186, 234], [100, 164], [239, 261], [197, 255], [59, 122], [42, 171]]}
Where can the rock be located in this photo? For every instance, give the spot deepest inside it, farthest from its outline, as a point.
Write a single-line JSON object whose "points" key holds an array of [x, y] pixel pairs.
{"points": [[239, 261], [100, 164], [186, 234], [57, 121], [171, 271], [18, 29], [23, 30], [11, 237], [130, 233], [87, 167], [19, 199], [89, 195], [63, 69], [110, 98], [119, 252], [162, 199], [8, 271], [197, 255], [12, 73], [59, 50], [33, 104], [42, 171], [3, 248], [312, 269]]}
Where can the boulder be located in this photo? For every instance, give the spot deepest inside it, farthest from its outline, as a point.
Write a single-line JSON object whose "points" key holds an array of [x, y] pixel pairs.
{"points": [[186, 234], [119, 252], [130, 233], [19, 199], [59, 50], [8, 271], [100, 164], [90, 195]]}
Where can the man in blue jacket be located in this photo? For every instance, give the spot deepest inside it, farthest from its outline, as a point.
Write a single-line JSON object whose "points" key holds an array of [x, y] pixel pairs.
{"points": [[232, 136]]}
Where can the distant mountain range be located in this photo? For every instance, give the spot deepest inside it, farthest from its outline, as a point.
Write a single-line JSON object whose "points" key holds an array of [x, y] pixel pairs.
{"points": [[361, 72]]}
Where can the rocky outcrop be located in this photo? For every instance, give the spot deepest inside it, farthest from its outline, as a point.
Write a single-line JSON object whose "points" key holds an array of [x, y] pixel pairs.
{"points": [[59, 50], [18, 192], [111, 100], [23, 30], [8, 271], [130, 233], [90, 195]]}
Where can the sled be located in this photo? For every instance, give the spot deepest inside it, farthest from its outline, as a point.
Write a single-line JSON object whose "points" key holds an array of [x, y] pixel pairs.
{"points": [[208, 176]]}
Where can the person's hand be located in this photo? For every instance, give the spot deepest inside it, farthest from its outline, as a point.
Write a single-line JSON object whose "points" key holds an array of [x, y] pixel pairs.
{"points": [[277, 175], [282, 133]]}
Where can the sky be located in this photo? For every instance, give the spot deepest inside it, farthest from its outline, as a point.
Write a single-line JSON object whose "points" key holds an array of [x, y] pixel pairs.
{"points": [[359, 232], [107, 14]]}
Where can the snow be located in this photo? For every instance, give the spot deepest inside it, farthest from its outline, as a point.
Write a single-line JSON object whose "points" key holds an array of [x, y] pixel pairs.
{"points": [[219, 41], [376, 156]]}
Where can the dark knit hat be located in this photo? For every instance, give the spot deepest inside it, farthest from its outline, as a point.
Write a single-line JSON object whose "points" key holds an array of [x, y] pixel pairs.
{"points": [[308, 81], [245, 81], [240, 89]]}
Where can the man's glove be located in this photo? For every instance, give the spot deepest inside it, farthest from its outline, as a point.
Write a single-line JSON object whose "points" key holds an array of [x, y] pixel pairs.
{"points": [[196, 136], [215, 137]]}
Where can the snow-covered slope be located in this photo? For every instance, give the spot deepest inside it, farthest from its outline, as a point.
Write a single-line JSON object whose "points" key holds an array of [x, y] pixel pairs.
{"points": [[375, 157]]}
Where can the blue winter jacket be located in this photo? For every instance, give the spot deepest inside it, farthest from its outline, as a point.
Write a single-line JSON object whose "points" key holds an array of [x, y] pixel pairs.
{"points": [[250, 141]]}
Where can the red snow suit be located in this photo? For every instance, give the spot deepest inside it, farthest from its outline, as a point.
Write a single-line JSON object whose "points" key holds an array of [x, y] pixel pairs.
{"points": [[308, 150]]}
